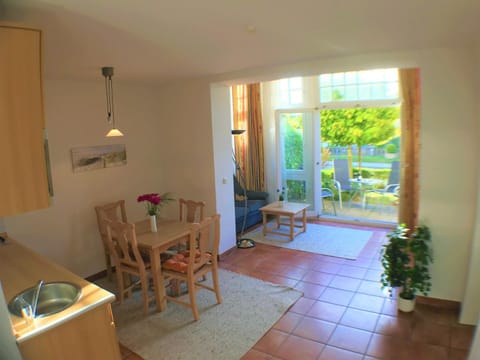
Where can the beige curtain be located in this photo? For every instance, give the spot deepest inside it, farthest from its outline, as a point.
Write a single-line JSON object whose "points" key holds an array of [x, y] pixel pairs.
{"points": [[409, 80], [247, 115]]}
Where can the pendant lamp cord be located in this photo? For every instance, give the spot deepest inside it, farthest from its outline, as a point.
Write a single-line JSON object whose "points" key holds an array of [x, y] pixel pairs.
{"points": [[109, 94]]}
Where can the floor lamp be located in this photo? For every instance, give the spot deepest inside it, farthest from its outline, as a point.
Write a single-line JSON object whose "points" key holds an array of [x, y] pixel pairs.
{"points": [[242, 243]]}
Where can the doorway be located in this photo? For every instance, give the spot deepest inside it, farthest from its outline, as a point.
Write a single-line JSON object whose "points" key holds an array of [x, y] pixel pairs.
{"points": [[367, 138], [298, 179]]}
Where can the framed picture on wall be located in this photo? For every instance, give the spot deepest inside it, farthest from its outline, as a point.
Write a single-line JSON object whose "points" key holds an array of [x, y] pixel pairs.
{"points": [[98, 157]]}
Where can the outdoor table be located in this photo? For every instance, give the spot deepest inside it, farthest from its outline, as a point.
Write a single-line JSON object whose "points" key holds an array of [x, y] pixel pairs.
{"points": [[361, 187]]}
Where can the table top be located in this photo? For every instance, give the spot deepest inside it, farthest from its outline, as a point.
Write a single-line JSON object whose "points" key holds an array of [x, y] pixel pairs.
{"points": [[168, 231], [368, 182], [287, 208]]}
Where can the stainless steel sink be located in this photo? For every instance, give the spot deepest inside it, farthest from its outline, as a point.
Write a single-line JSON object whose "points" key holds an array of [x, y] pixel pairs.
{"points": [[52, 298]]}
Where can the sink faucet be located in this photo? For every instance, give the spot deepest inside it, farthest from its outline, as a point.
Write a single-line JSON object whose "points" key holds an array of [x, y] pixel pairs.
{"points": [[36, 294]]}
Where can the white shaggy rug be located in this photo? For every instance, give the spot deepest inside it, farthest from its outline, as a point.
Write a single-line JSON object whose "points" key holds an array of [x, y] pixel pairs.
{"points": [[320, 239], [226, 331]]}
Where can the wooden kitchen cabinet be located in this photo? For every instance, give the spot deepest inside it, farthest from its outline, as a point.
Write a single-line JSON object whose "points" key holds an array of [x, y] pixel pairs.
{"points": [[83, 331], [89, 336], [23, 183]]}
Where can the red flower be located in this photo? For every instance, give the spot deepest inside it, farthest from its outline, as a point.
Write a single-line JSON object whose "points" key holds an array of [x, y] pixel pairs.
{"points": [[154, 201]]}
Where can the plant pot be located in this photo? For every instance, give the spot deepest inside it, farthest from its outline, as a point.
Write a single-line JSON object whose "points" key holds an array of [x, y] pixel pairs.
{"points": [[405, 305]]}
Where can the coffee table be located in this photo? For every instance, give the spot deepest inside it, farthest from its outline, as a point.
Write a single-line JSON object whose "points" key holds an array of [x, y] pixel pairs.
{"points": [[288, 210]]}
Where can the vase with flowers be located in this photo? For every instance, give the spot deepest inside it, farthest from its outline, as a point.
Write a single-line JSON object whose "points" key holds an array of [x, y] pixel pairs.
{"points": [[153, 203]]}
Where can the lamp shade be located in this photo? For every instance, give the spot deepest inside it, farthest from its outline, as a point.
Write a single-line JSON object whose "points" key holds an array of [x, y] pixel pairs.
{"points": [[238, 131], [114, 132]]}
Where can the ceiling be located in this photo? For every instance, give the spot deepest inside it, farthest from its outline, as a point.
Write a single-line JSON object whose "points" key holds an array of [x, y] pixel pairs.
{"points": [[160, 40]]}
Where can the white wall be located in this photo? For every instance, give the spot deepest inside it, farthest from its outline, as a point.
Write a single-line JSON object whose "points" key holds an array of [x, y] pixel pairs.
{"points": [[184, 141], [222, 140], [448, 158], [194, 144], [76, 116], [474, 353], [169, 141], [449, 166], [471, 306]]}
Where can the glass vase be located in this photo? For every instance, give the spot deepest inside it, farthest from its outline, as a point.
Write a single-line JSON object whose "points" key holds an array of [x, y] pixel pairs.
{"points": [[153, 223]]}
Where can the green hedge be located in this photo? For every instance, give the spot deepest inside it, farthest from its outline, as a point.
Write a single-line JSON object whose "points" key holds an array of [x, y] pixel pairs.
{"points": [[382, 174]]}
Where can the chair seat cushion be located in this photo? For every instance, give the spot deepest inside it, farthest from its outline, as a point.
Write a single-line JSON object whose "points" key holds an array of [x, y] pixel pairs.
{"points": [[179, 262]]}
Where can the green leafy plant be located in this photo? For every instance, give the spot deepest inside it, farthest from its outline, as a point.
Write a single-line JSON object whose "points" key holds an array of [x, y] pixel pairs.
{"points": [[395, 259], [391, 148], [418, 276], [406, 261]]}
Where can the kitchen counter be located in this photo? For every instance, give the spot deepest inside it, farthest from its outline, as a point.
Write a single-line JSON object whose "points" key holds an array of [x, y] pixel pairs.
{"points": [[21, 268]]}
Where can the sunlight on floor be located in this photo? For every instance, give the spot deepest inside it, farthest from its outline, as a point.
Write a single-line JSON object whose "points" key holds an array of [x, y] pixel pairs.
{"points": [[354, 210]]}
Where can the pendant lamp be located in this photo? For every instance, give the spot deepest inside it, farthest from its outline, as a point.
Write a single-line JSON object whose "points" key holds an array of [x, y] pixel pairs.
{"points": [[107, 72]]}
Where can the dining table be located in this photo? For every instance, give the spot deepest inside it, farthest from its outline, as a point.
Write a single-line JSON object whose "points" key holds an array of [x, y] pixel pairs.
{"points": [[169, 233], [362, 186]]}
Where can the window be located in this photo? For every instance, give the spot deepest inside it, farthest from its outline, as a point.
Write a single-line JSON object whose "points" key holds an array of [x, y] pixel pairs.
{"points": [[291, 91], [381, 84]]}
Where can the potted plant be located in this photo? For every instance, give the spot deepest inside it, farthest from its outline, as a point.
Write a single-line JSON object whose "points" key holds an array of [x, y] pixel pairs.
{"points": [[395, 259], [405, 260]]}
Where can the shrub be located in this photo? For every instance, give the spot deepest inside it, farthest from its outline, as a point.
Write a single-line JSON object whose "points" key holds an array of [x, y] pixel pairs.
{"points": [[391, 148]]}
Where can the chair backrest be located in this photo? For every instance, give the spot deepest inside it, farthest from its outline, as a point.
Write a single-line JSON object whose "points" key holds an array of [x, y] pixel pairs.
{"points": [[326, 192], [191, 211], [124, 248], [205, 248], [394, 177], [342, 172], [111, 211]]}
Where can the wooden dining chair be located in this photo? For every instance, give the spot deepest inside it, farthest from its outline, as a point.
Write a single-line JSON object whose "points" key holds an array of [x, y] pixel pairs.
{"points": [[111, 211], [128, 260], [199, 260], [191, 211]]}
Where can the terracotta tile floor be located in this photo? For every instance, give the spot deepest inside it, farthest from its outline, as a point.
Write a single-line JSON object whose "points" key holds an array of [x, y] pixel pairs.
{"points": [[343, 314]]}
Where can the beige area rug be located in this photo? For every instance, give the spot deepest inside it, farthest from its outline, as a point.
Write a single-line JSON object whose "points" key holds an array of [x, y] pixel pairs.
{"points": [[227, 331], [320, 239]]}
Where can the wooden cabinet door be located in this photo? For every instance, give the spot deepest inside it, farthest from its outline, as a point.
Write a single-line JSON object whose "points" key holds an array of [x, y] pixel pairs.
{"points": [[23, 177], [89, 336]]}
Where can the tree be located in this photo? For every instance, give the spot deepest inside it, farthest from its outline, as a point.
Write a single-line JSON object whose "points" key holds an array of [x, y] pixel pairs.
{"points": [[358, 126]]}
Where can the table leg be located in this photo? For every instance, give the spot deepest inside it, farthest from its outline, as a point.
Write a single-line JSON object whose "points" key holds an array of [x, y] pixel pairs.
{"points": [[157, 280], [304, 219], [364, 198], [292, 222], [264, 220]]}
